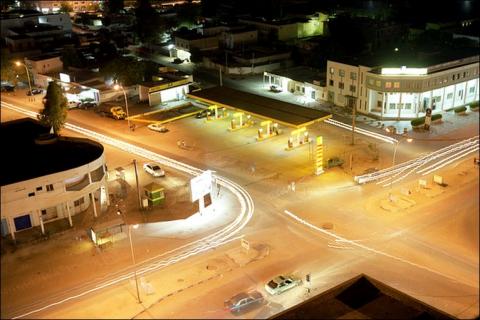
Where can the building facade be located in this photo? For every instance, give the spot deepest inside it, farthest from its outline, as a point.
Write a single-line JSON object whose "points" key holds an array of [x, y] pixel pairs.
{"points": [[55, 186], [404, 93]]}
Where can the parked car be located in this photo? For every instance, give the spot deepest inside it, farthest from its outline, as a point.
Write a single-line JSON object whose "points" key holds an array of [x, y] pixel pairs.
{"points": [[8, 88], [34, 92], [153, 169], [87, 105], [275, 88], [202, 114], [334, 162], [114, 112], [177, 60], [157, 127], [244, 302], [281, 284], [73, 104]]}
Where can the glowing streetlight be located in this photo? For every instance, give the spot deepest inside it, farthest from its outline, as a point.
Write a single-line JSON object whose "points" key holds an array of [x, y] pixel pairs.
{"points": [[18, 64], [118, 87]]}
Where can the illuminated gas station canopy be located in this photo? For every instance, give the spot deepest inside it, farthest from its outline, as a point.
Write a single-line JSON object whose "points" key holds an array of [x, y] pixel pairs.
{"points": [[404, 71], [288, 114]]}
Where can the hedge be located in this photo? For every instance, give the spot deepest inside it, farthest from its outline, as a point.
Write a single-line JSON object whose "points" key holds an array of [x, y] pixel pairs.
{"points": [[419, 121], [474, 105], [460, 109]]}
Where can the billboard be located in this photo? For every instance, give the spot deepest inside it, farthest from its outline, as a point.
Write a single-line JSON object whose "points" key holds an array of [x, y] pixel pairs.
{"points": [[64, 77], [201, 185]]}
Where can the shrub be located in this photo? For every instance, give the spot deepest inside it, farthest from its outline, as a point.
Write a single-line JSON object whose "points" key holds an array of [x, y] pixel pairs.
{"points": [[417, 121], [437, 116], [474, 105], [460, 109]]}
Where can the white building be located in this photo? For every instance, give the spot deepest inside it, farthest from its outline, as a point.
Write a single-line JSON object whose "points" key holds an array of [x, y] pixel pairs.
{"points": [[302, 81], [19, 20], [48, 179], [404, 92]]}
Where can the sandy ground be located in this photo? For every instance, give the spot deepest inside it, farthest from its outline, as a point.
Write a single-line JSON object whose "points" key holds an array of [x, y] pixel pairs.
{"points": [[442, 233]]}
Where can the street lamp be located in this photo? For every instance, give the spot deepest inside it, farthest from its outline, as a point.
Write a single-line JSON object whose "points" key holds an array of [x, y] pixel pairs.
{"points": [[395, 145], [117, 87], [18, 64], [170, 47], [135, 226]]}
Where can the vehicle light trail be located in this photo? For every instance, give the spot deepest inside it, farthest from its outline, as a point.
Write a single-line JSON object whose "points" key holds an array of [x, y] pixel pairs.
{"points": [[218, 238], [362, 131], [435, 160]]}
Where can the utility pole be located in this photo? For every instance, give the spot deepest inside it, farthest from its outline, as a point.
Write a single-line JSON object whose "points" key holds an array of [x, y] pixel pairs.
{"points": [[352, 103], [138, 189], [220, 75]]}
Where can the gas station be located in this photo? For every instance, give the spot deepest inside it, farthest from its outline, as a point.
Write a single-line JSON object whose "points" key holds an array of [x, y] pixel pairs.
{"points": [[272, 112]]}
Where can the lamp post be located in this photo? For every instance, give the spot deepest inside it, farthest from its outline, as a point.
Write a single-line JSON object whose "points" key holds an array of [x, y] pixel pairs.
{"points": [[170, 47], [117, 87], [395, 146], [18, 64], [135, 226]]}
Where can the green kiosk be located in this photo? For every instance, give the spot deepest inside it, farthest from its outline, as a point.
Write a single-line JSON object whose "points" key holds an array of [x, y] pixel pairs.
{"points": [[155, 194]]}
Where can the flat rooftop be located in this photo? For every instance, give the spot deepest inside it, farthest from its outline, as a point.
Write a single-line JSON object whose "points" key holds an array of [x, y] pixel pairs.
{"points": [[362, 297], [24, 159], [301, 73], [288, 114]]}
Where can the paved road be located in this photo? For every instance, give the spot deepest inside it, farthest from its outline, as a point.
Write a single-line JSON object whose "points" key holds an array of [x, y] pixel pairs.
{"points": [[416, 251]]}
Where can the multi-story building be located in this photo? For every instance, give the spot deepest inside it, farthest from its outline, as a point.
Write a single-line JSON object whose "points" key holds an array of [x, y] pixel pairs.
{"points": [[22, 18], [49, 6], [403, 92], [47, 179]]}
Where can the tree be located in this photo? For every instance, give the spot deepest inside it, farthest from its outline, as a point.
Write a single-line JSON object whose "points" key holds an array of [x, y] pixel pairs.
{"points": [[124, 70], [114, 6], [70, 57], [66, 7], [54, 113], [9, 73], [149, 26]]}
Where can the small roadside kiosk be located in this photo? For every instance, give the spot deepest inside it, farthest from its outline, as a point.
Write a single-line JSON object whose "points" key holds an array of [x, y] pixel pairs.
{"points": [[154, 193], [105, 233]]}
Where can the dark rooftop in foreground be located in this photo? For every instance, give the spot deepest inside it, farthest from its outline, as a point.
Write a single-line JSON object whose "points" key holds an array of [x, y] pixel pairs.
{"points": [[285, 113], [28, 160], [362, 298]]}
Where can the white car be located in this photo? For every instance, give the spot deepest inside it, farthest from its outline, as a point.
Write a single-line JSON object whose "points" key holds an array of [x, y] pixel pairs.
{"points": [[281, 284], [157, 127], [153, 169]]}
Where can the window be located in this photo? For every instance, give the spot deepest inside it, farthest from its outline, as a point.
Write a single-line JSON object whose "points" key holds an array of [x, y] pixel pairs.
{"points": [[39, 188], [408, 106], [361, 78], [370, 81], [449, 96], [388, 85], [453, 77], [353, 88], [78, 202], [460, 93], [353, 75], [332, 70], [396, 85], [31, 194], [341, 85], [331, 83], [464, 74], [471, 90], [437, 99], [378, 83], [49, 187], [341, 73], [391, 106]]}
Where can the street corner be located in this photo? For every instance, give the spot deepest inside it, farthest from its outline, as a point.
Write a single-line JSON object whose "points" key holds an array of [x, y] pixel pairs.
{"points": [[242, 256], [396, 202]]}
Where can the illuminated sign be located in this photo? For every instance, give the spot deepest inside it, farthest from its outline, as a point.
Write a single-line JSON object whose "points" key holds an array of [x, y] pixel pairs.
{"points": [[201, 185], [404, 71], [168, 85], [64, 77]]}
